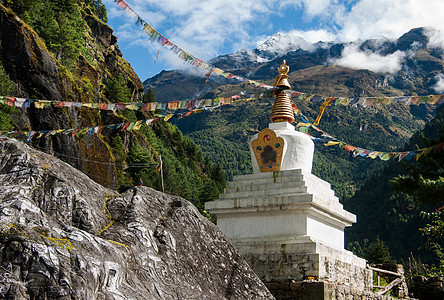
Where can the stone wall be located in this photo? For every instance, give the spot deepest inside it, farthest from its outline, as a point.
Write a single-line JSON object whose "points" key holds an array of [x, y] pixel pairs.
{"points": [[318, 290], [292, 266]]}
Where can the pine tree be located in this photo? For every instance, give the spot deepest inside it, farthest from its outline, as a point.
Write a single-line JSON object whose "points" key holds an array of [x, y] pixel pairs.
{"points": [[150, 97], [6, 85], [118, 89], [377, 252]]}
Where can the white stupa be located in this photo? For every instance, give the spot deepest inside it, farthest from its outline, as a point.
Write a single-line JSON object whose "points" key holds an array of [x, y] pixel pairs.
{"points": [[286, 222]]}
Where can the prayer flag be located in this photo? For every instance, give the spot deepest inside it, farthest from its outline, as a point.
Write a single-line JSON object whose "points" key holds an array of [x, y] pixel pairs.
{"points": [[191, 104], [120, 106], [122, 4], [168, 117], [326, 103], [148, 29], [410, 155], [19, 102], [39, 104], [385, 156], [331, 143], [99, 130], [138, 125], [173, 105], [125, 126], [10, 101], [208, 75], [152, 106], [131, 125], [401, 155]]}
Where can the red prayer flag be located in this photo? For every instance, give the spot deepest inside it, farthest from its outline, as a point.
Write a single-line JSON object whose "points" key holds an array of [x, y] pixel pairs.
{"points": [[122, 5], [349, 148]]}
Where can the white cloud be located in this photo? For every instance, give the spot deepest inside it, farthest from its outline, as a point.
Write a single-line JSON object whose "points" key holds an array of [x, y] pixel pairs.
{"points": [[439, 86], [313, 36], [354, 58], [390, 18], [436, 37]]}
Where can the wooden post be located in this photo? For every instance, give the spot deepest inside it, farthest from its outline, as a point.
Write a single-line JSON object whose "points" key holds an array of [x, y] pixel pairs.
{"points": [[389, 286], [161, 173]]}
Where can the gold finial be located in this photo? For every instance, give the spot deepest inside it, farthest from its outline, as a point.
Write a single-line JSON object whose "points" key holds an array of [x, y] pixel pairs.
{"points": [[281, 80], [282, 108]]}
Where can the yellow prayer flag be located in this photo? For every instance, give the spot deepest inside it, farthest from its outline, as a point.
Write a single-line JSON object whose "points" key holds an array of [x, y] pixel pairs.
{"points": [[173, 105], [168, 117], [130, 106], [39, 104], [138, 125], [326, 103], [424, 151], [374, 154], [331, 143]]}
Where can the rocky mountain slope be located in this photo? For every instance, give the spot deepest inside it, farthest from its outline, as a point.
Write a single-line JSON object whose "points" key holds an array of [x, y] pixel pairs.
{"points": [[38, 74], [63, 236]]}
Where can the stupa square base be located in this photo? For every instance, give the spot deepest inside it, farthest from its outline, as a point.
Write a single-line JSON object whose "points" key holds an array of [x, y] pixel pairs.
{"points": [[305, 259]]}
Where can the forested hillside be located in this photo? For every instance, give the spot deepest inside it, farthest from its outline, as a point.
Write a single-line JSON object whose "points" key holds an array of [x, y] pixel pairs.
{"points": [[389, 205], [65, 51]]}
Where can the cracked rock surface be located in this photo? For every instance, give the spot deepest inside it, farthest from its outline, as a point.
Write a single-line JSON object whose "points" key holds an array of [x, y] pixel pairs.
{"points": [[63, 236]]}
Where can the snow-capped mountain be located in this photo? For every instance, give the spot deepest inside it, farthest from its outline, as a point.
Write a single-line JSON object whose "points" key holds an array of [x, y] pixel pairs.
{"points": [[280, 44], [276, 45]]}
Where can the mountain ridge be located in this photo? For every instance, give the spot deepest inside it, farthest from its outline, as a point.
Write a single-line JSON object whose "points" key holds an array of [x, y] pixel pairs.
{"points": [[411, 61]]}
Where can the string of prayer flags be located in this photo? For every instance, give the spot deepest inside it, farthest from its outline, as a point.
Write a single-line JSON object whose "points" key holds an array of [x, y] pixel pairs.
{"points": [[367, 101], [151, 106], [37, 134], [362, 152]]}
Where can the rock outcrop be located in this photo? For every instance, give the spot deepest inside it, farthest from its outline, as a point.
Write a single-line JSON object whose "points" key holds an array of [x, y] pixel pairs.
{"points": [[63, 236]]}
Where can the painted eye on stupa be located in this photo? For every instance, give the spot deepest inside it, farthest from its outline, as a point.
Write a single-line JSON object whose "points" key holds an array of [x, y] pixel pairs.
{"points": [[277, 145], [259, 148]]}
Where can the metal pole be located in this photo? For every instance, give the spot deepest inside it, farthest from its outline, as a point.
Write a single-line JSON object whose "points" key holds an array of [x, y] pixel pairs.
{"points": [[161, 173]]}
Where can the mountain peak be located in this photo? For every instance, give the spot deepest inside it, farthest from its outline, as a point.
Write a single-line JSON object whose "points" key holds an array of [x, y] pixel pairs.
{"points": [[416, 35], [281, 43]]}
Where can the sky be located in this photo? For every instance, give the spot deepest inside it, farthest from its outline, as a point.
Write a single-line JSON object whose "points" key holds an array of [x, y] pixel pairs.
{"points": [[208, 28]]}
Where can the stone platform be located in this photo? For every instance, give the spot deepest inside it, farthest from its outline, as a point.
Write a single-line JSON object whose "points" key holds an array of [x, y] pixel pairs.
{"points": [[289, 225]]}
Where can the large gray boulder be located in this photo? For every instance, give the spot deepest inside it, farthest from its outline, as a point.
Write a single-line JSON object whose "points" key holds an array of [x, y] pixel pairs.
{"points": [[63, 236]]}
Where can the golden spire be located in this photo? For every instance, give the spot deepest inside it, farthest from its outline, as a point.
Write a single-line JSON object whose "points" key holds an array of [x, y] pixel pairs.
{"points": [[282, 110]]}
